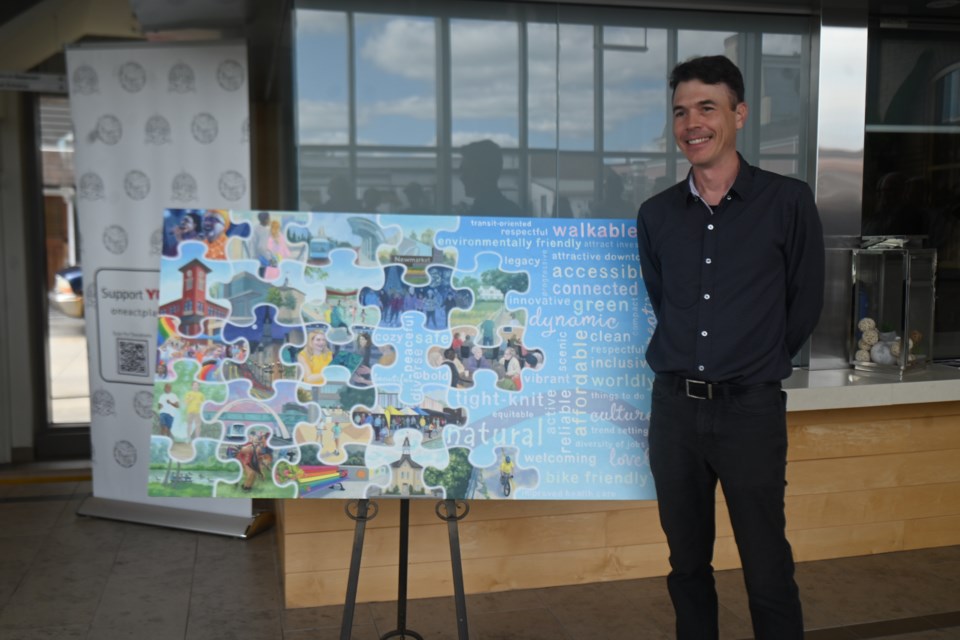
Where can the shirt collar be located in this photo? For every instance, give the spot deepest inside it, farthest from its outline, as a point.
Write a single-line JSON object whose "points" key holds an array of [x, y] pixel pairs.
{"points": [[741, 186]]}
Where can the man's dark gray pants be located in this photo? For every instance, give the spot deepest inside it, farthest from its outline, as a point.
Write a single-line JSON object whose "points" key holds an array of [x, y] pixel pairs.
{"points": [[740, 439]]}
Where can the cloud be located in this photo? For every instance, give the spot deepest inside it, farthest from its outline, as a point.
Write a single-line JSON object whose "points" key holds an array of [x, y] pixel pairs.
{"points": [[420, 107], [405, 47], [621, 105], [322, 122]]}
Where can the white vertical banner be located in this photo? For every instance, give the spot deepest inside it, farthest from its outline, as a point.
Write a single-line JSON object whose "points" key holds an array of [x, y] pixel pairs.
{"points": [[156, 127]]}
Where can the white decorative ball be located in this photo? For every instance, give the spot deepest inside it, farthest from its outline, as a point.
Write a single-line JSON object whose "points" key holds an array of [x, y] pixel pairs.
{"points": [[895, 348], [863, 345], [871, 336], [880, 353], [862, 356], [866, 324]]}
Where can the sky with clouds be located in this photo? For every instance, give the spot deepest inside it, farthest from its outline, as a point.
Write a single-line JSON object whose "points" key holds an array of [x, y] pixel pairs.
{"points": [[397, 85]]}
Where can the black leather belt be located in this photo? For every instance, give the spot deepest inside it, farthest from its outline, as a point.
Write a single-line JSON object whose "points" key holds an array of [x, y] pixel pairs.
{"points": [[702, 390]]}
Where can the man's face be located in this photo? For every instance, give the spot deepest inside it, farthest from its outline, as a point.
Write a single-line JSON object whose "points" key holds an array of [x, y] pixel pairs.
{"points": [[705, 122], [210, 222]]}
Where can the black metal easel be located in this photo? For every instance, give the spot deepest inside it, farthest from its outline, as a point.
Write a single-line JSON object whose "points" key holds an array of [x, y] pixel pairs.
{"points": [[448, 511]]}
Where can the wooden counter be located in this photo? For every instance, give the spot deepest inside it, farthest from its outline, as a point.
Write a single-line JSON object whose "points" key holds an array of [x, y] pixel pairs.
{"points": [[861, 480]]}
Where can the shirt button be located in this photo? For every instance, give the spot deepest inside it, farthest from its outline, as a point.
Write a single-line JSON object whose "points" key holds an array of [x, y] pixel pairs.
{"points": [[703, 333], [709, 261], [706, 296], [729, 197], [700, 368], [710, 226]]}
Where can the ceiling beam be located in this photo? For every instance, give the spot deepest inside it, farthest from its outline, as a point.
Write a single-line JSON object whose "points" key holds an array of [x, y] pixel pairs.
{"points": [[48, 27]]}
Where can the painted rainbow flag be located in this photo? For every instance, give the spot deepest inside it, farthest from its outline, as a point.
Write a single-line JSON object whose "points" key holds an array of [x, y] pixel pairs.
{"points": [[167, 328]]}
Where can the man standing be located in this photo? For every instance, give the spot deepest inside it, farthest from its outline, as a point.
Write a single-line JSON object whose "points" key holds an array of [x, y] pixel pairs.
{"points": [[733, 262], [168, 406], [193, 400]]}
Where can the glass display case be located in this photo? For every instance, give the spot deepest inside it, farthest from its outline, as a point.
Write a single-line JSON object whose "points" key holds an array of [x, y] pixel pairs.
{"points": [[893, 286]]}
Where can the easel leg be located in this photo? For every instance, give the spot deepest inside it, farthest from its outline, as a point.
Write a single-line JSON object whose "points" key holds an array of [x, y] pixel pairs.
{"points": [[361, 517], [401, 631], [449, 508]]}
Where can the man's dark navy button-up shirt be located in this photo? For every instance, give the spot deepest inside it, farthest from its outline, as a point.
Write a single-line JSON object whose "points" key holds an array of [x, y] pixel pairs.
{"points": [[738, 288]]}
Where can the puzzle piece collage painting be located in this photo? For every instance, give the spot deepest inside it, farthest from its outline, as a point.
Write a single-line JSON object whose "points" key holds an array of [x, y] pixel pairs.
{"points": [[328, 355]]}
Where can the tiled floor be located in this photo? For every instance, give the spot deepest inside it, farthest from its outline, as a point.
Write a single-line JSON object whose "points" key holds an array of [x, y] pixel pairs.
{"points": [[62, 576]]}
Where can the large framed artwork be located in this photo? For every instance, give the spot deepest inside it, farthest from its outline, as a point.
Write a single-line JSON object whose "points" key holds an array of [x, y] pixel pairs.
{"points": [[335, 355]]}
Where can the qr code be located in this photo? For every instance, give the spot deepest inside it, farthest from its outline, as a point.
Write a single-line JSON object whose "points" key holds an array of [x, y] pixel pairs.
{"points": [[132, 357]]}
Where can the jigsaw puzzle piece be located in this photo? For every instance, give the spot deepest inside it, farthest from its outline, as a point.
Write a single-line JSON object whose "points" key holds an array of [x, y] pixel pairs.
{"points": [[405, 461], [264, 361], [358, 234], [429, 416], [466, 360], [341, 307], [183, 293], [181, 226], [240, 291], [207, 348], [281, 413], [433, 300], [452, 478], [490, 286], [181, 412], [361, 356], [314, 477], [505, 479], [334, 430], [267, 242], [415, 249], [194, 477], [209, 229], [256, 460], [411, 346]]}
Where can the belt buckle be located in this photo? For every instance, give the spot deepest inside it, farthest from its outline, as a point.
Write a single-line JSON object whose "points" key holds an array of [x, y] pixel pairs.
{"points": [[708, 395]]}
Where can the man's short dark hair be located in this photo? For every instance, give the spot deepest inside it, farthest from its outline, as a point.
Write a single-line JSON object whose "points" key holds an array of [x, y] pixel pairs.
{"points": [[485, 158], [710, 70]]}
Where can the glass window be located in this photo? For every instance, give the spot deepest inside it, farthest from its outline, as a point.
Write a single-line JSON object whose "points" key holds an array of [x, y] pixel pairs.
{"points": [[634, 89], [693, 43], [396, 80], [782, 88], [321, 71], [484, 82], [562, 185], [571, 103], [542, 51], [397, 182], [911, 172], [577, 87]]}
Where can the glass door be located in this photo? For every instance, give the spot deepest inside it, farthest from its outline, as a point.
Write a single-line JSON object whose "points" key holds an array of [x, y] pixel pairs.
{"points": [[68, 390]]}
